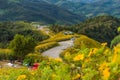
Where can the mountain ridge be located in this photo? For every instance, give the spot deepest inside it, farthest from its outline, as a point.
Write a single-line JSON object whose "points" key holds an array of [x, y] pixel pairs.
{"points": [[36, 10], [91, 8]]}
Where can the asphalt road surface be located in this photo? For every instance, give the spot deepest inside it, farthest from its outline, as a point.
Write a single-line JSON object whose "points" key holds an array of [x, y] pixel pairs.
{"points": [[54, 52]]}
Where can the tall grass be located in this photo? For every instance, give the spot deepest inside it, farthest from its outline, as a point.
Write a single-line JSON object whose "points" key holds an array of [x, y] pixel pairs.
{"points": [[5, 54]]}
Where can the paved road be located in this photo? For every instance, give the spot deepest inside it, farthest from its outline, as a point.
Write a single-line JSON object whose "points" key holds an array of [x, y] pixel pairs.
{"points": [[54, 52]]}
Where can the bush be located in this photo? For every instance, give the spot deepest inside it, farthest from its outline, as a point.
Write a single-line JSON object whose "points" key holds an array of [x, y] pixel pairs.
{"points": [[22, 45], [101, 62], [115, 41], [32, 58], [46, 46], [35, 34], [118, 29], [5, 54], [86, 42]]}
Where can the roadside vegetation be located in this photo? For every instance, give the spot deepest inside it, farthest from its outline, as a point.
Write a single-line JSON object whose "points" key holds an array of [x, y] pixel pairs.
{"points": [[45, 46], [61, 36], [83, 64]]}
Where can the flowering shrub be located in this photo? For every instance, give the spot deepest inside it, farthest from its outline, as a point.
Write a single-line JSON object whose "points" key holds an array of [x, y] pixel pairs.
{"points": [[86, 42], [33, 58], [95, 63], [78, 57], [43, 47], [59, 37], [76, 64], [22, 77]]}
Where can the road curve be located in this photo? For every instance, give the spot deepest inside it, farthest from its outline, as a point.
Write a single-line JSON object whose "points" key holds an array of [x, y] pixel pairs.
{"points": [[54, 52]]}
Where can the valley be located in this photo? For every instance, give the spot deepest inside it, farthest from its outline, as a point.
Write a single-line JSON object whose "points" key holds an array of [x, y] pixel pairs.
{"points": [[54, 51], [59, 40]]}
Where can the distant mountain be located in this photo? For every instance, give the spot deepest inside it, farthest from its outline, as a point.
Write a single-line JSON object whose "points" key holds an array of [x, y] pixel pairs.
{"points": [[91, 8], [74, 1], [36, 10]]}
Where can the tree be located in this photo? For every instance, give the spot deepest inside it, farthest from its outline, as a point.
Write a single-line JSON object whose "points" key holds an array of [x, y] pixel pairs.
{"points": [[115, 41], [118, 29], [21, 46]]}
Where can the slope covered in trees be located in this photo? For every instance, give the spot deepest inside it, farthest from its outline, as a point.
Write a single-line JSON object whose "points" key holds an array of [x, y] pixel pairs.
{"points": [[36, 10], [90, 8], [9, 29], [101, 28]]}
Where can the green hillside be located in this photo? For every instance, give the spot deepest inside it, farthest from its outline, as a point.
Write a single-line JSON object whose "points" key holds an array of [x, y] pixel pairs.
{"points": [[91, 8], [9, 29], [36, 10], [41, 40], [86, 42], [101, 28]]}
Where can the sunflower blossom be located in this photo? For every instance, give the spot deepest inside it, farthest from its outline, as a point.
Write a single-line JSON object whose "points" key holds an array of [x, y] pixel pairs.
{"points": [[78, 57], [21, 77], [106, 74]]}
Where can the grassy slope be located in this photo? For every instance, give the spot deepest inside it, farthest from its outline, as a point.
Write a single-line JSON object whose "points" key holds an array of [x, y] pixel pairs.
{"points": [[86, 42]]}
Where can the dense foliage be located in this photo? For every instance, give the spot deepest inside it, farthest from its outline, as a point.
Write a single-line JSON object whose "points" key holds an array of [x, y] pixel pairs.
{"points": [[32, 58], [9, 29], [86, 60], [90, 8], [56, 28], [77, 64], [101, 28], [36, 10], [21, 46], [115, 41]]}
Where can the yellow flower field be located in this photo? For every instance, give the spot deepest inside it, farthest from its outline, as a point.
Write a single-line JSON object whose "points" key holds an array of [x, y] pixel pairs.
{"points": [[95, 63]]}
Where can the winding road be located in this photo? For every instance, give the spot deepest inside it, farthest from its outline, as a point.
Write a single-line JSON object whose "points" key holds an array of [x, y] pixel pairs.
{"points": [[54, 52]]}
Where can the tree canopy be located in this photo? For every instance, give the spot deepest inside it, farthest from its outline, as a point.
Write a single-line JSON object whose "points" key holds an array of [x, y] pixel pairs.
{"points": [[101, 28], [9, 29], [22, 45]]}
